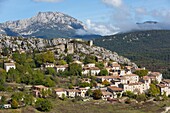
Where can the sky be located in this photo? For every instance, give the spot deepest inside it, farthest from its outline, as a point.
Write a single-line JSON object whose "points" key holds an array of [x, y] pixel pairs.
{"points": [[104, 17]]}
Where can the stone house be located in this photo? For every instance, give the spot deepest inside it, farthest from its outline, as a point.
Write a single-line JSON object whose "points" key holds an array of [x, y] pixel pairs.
{"points": [[91, 71], [83, 91], [61, 67], [155, 76], [78, 62], [73, 92], [131, 78], [60, 92], [164, 89], [106, 95], [115, 66], [135, 87], [8, 66], [115, 91], [90, 65], [107, 78], [37, 90], [166, 82]]}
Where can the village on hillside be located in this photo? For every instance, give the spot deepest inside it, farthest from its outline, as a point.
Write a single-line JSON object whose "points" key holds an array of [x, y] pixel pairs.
{"points": [[91, 77]]}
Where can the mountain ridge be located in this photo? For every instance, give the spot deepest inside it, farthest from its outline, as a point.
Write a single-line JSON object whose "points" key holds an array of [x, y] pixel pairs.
{"points": [[47, 24], [149, 48]]}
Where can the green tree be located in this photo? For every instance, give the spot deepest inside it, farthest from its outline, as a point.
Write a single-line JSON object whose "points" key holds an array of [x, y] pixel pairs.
{"points": [[2, 87], [84, 84], [97, 94], [43, 105], [153, 90], [141, 73], [61, 62], [89, 59], [75, 69], [13, 75], [3, 76], [89, 92], [69, 58], [48, 82], [51, 71], [14, 104], [48, 57], [29, 99], [5, 51], [44, 57], [27, 78], [106, 83], [129, 94], [99, 65], [19, 58], [18, 96], [38, 78], [164, 96], [64, 98], [103, 72], [3, 100], [141, 97]]}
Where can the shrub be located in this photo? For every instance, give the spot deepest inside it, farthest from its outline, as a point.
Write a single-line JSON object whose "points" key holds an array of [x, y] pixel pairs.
{"points": [[43, 105]]}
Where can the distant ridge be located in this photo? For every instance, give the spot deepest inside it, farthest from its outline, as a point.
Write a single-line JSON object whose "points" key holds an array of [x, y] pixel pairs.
{"points": [[44, 25]]}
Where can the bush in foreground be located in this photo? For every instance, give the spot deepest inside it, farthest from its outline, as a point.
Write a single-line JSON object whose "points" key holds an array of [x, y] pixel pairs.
{"points": [[43, 105]]}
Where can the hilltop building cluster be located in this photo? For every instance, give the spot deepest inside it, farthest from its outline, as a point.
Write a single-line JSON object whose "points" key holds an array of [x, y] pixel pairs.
{"points": [[120, 79], [95, 69]]}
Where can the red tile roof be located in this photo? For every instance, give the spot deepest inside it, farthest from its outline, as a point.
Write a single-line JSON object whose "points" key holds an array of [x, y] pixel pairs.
{"points": [[115, 88], [59, 90], [40, 86], [131, 75], [108, 77]]}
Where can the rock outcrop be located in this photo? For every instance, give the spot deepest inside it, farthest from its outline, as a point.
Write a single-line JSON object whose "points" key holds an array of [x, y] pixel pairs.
{"points": [[60, 46]]}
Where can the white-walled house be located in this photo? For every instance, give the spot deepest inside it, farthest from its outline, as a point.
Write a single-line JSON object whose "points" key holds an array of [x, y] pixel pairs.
{"points": [[164, 89], [122, 73], [91, 65], [60, 92], [83, 91], [107, 78], [73, 93], [7, 106], [37, 90], [61, 67], [115, 66], [131, 78], [91, 71], [135, 87], [115, 91], [8, 66], [78, 62], [166, 82], [46, 65], [106, 95], [155, 76]]}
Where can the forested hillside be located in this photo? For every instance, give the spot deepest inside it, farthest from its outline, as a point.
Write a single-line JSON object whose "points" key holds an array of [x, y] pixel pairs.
{"points": [[146, 48]]}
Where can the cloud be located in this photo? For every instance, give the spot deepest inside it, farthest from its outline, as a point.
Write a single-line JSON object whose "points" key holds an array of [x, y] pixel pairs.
{"points": [[47, 0], [113, 3], [162, 15], [125, 16], [98, 28], [141, 10]]}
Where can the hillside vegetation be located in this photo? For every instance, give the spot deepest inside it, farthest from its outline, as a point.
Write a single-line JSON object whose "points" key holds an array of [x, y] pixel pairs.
{"points": [[146, 48]]}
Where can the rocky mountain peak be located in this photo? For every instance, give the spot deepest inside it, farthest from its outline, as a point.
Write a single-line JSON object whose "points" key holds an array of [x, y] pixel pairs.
{"points": [[52, 24]]}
